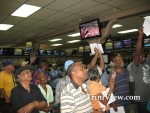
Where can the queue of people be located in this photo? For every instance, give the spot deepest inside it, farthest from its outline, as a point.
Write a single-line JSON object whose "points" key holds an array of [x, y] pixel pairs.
{"points": [[79, 91]]}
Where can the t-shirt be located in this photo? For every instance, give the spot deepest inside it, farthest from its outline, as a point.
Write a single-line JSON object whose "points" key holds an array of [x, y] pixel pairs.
{"points": [[141, 74]]}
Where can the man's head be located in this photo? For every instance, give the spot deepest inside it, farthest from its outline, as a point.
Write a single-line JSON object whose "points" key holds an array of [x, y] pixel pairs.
{"points": [[54, 66], [118, 61], [41, 78], [8, 65], [67, 64], [142, 57], [93, 74], [77, 72], [43, 63], [24, 73]]}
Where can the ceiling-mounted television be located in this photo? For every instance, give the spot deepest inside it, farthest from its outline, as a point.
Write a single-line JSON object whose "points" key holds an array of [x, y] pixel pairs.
{"points": [[90, 29], [109, 45], [8, 51], [117, 44], [1, 51], [127, 43], [18, 51], [29, 46], [146, 42]]}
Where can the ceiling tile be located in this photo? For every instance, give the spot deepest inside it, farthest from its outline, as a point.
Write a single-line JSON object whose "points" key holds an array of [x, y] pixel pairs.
{"points": [[102, 1], [42, 13], [9, 32], [41, 24], [54, 25], [17, 28], [40, 30], [29, 29], [2, 17], [18, 34], [40, 3], [13, 20], [7, 7], [96, 9], [58, 16], [21, 1], [81, 6], [28, 22], [59, 5]]}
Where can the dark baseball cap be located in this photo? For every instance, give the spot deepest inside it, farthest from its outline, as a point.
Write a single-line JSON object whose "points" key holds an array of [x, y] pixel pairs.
{"points": [[7, 62], [22, 68], [43, 61]]}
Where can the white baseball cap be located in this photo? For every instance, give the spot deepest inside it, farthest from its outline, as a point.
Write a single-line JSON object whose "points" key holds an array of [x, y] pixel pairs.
{"points": [[23, 63]]}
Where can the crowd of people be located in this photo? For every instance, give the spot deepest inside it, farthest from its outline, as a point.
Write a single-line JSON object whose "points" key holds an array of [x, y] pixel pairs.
{"points": [[81, 90]]}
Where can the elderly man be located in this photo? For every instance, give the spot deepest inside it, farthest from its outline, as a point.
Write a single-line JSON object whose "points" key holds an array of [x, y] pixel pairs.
{"points": [[7, 83], [74, 97], [26, 97]]}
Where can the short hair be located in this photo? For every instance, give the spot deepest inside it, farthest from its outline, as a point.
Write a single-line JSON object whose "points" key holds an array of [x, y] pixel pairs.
{"points": [[38, 75], [114, 59], [93, 73], [70, 69]]}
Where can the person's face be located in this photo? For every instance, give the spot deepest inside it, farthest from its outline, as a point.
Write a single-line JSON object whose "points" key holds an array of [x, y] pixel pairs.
{"points": [[55, 67], [25, 75], [80, 72], [142, 58], [42, 79], [11, 67], [119, 61]]}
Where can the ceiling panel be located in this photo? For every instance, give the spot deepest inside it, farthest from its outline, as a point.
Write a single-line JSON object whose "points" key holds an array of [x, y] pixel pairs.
{"points": [[40, 30], [29, 29], [79, 7], [102, 1], [66, 3], [41, 24], [17, 28], [42, 13], [54, 25], [96, 9], [40, 3], [20, 1], [9, 32], [58, 16], [7, 7], [2, 17], [28, 22], [13, 20]]}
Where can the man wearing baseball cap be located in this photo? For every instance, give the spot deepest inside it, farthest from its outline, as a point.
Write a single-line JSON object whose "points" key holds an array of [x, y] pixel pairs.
{"points": [[26, 97], [7, 83]]}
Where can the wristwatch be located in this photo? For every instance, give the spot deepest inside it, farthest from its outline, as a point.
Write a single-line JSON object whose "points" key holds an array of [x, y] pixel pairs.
{"points": [[36, 103]]}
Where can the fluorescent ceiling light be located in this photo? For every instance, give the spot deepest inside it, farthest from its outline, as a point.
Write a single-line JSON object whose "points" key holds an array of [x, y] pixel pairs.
{"points": [[54, 40], [73, 41], [74, 35], [5, 27], [128, 31], [25, 10], [116, 25], [56, 44], [146, 16]]}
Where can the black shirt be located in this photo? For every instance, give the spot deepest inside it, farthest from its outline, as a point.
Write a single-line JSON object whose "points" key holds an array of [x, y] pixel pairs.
{"points": [[20, 97]]}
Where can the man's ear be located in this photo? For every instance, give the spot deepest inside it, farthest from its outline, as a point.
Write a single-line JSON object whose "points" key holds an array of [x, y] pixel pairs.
{"points": [[18, 76]]}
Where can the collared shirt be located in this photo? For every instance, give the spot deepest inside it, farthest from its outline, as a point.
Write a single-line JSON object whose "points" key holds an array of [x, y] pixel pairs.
{"points": [[7, 82], [48, 95], [74, 100], [60, 86], [20, 97], [54, 73]]}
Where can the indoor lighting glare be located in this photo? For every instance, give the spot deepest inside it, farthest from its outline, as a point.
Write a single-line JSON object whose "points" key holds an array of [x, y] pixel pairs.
{"points": [[116, 25], [74, 35], [146, 16], [128, 31], [73, 41], [56, 44], [5, 27], [54, 40], [25, 10]]}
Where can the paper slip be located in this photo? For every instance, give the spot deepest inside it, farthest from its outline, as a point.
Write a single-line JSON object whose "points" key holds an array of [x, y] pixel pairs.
{"points": [[146, 26], [120, 110], [98, 46]]}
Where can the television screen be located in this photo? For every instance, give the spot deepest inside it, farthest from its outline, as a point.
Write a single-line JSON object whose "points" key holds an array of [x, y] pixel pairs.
{"points": [[18, 51], [134, 43], [87, 49], [1, 51], [109, 45], [42, 52], [62, 53], [29, 46], [147, 42], [90, 29], [25, 52], [127, 43], [9, 51], [81, 49], [56, 52], [117, 44], [49, 52]]}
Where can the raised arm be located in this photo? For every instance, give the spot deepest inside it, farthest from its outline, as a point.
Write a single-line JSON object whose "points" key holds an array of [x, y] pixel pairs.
{"points": [[94, 60], [138, 47], [101, 63]]}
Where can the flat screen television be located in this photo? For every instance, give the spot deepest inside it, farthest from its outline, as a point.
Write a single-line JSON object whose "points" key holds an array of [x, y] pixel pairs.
{"points": [[29, 46], [18, 51], [134, 43], [56, 52], [109, 45], [1, 51], [49, 52], [26, 53], [62, 53], [90, 29], [87, 49], [127, 43], [42, 52], [117, 44], [8, 51], [146, 42], [81, 49]]}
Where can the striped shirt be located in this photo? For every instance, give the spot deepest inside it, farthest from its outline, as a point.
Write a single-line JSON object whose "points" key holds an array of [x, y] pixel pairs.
{"points": [[74, 100], [121, 87]]}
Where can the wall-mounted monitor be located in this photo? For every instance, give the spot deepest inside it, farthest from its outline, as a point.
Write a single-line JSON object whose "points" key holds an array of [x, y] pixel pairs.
{"points": [[49, 52], [146, 42], [62, 52], [81, 49], [8, 51], [42, 52], [26, 53], [1, 51], [127, 43], [90, 29], [134, 42], [29, 46], [117, 44], [56, 52], [87, 49], [109, 45], [18, 51]]}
